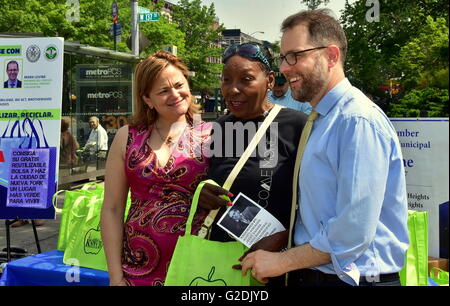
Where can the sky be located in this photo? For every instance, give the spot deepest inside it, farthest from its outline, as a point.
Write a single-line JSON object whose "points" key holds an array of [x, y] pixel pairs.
{"points": [[261, 15]]}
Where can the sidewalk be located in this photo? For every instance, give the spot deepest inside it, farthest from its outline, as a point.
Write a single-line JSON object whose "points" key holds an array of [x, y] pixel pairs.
{"points": [[23, 237]]}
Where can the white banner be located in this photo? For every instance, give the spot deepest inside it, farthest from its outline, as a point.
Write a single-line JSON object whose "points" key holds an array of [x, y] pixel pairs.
{"points": [[30, 120], [425, 146]]}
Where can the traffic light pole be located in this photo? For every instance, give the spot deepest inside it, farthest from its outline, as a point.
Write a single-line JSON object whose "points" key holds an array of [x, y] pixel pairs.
{"points": [[134, 27]]}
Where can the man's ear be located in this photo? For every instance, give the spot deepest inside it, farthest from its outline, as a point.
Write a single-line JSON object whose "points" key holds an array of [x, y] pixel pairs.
{"points": [[334, 55]]}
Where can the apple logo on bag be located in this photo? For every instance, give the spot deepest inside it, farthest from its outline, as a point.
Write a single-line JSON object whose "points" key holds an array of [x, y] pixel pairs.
{"points": [[93, 241], [200, 281]]}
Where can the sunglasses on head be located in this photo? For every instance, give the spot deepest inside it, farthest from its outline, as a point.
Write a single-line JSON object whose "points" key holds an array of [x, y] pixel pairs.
{"points": [[247, 50]]}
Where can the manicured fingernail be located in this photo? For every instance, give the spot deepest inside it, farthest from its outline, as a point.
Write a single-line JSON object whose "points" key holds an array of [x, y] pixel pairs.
{"points": [[230, 204], [230, 195]]}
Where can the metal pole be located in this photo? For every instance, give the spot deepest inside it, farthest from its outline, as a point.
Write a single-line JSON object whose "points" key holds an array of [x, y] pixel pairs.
{"points": [[134, 27], [8, 239], [36, 238], [115, 36]]}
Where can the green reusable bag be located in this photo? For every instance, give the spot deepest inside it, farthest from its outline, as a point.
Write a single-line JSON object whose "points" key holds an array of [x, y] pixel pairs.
{"points": [[71, 197], [415, 270], [201, 262], [439, 276], [84, 243]]}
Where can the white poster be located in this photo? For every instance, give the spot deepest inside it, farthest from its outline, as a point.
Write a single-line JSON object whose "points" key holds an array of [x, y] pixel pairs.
{"points": [[30, 118], [425, 146]]}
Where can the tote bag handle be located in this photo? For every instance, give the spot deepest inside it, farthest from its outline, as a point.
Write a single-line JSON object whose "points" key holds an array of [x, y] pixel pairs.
{"points": [[194, 205]]}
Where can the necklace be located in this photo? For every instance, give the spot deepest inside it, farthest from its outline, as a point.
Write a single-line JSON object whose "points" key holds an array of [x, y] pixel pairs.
{"points": [[169, 140], [266, 112]]}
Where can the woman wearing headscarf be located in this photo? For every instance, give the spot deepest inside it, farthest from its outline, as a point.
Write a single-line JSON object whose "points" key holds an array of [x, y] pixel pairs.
{"points": [[266, 177]]}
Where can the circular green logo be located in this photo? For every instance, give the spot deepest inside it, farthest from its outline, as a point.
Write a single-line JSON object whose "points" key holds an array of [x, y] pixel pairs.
{"points": [[51, 53]]}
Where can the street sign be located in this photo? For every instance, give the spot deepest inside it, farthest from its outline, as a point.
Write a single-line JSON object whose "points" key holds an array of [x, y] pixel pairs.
{"points": [[152, 16], [118, 29], [114, 12], [114, 9]]}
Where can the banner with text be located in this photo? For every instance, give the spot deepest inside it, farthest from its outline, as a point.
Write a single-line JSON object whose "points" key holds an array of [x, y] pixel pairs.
{"points": [[30, 124], [425, 143]]}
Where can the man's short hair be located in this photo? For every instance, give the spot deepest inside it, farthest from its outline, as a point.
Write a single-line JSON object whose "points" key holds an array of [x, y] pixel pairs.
{"points": [[323, 28], [12, 62], [95, 118]]}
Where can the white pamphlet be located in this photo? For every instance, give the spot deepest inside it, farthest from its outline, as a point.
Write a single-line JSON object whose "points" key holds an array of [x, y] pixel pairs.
{"points": [[248, 222]]}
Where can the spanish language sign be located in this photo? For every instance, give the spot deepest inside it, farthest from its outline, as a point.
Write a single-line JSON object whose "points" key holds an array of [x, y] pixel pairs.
{"points": [[425, 156], [30, 119]]}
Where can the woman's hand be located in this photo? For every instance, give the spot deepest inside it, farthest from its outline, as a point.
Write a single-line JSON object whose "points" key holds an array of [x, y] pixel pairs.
{"points": [[273, 243], [210, 197]]}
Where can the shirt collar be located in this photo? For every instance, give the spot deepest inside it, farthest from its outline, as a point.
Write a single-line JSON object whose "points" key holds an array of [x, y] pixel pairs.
{"points": [[277, 98], [332, 97]]}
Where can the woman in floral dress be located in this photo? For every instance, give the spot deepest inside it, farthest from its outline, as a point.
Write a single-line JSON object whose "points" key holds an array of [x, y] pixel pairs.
{"points": [[158, 157]]}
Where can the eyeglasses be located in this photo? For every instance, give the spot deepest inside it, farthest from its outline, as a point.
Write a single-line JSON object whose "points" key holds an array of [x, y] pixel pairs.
{"points": [[291, 57], [248, 50]]}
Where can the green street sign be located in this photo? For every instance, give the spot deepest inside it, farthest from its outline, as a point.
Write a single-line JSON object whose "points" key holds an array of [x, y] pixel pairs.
{"points": [[152, 16]]}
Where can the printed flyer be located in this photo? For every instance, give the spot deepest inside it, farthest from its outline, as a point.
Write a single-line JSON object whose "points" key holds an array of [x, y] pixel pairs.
{"points": [[30, 120], [248, 222], [424, 143]]}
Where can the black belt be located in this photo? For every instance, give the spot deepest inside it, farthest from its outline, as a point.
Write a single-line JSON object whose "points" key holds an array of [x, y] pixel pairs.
{"points": [[309, 276]]}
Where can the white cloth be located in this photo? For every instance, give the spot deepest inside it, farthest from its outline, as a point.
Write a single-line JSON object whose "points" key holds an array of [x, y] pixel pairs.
{"points": [[98, 140]]}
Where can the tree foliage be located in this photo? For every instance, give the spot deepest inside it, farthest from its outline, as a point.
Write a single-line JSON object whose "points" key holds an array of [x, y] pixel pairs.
{"points": [[428, 102], [193, 29], [58, 18], [50, 18], [203, 35], [314, 4], [425, 56], [409, 42]]}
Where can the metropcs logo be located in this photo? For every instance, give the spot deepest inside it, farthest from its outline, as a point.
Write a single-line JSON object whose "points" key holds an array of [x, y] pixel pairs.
{"points": [[105, 95], [110, 71]]}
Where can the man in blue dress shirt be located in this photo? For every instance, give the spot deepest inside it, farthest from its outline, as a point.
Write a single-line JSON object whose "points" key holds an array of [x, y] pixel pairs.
{"points": [[281, 94], [351, 225]]}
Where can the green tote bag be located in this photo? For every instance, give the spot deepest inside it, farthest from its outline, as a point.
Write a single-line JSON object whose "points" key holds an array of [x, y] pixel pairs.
{"points": [[84, 245], [415, 270], [200, 262], [70, 198], [439, 276]]}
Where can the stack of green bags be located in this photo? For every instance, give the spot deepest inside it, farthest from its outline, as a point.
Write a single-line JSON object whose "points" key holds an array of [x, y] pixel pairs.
{"points": [[79, 234]]}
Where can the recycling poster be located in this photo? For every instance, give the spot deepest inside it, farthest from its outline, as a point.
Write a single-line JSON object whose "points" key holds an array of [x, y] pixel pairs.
{"points": [[425, 143], [30, 120]]}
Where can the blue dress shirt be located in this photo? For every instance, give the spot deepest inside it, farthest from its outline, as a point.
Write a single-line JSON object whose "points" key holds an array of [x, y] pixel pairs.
{"points": [[288, 101], [353, 201]]}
